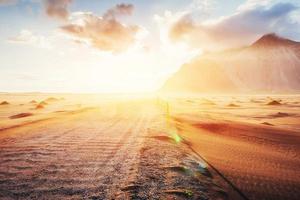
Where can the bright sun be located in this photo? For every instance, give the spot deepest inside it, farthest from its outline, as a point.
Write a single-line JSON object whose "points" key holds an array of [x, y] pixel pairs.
{"points": [[137, 70]]}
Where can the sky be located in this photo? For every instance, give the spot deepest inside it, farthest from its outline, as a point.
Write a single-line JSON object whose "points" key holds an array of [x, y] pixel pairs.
{"points": [[111, 46]]}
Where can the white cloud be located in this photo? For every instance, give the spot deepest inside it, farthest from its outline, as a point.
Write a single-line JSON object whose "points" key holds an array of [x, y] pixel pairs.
{"points": [[205, 6], [250, 4], [106, 32], [28, 38], [241, 28]]}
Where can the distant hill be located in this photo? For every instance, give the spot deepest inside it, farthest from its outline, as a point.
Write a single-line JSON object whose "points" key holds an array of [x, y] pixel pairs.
{"points": [[271, 64]]}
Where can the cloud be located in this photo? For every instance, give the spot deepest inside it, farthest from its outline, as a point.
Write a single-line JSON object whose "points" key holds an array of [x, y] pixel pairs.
{"points": [[241, 28], [27, 37], [250, 4], [203, 6], [106, 33], [8, 2], [119, 10], [57, 8], [53, 8]]}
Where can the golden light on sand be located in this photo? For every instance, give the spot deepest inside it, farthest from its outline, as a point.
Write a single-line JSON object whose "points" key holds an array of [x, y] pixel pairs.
{"points": [[163, 134], [182, 99]]}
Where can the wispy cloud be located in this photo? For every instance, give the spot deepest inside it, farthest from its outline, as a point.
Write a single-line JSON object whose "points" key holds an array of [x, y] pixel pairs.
{"points": [[26, 77], [106, 33], [250, 4], [243, 27], [203, 6], [28, 38]]}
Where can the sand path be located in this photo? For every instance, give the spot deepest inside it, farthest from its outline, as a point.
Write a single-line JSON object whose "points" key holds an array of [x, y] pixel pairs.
{"points": [[91, 155]]}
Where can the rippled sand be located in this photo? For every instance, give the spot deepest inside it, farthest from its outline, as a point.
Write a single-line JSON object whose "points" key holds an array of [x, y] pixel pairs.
{"points": [[85, 148], [255, 144], [108, 147]]}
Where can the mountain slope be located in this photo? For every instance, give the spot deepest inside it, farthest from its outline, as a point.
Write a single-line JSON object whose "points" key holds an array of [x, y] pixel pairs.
{"points": [[271, 64]]}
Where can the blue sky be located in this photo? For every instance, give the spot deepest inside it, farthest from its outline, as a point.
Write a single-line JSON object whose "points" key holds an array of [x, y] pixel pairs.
{"points": [[72, 46]]}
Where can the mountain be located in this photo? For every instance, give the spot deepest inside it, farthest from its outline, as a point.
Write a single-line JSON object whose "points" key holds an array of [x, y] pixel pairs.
{"points": [[273, 40], [269, 65]]}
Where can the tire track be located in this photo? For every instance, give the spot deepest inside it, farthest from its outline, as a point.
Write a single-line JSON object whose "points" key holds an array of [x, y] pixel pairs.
{"points": [[94, 156], [37, 165], [66, 161]]}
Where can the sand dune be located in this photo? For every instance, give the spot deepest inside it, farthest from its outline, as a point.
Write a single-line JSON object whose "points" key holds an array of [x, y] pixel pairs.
{"points": [[4, 103], [255, 101], [39, 106], [43, 103], [51, 99], [207, 102], [274, 103], [280, 114], [21, 115], [232, 105], [267, 123], [262, 162]]}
